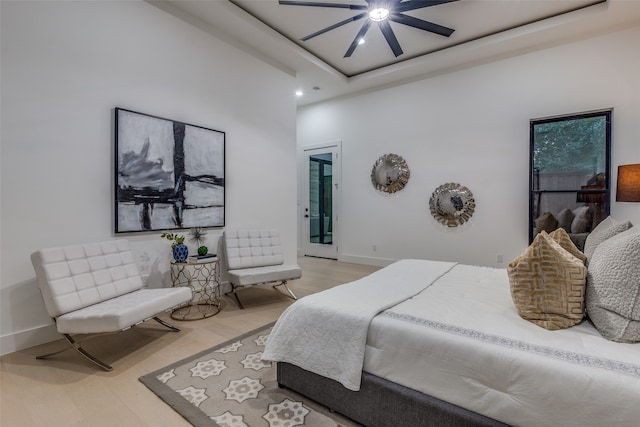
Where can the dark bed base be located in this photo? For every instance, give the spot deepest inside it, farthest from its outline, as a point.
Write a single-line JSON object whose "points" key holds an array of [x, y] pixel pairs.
{"points": [[379, 403]]}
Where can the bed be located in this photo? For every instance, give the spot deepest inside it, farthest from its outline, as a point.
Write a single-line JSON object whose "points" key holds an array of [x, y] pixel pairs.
{"points": [[436, 343]]}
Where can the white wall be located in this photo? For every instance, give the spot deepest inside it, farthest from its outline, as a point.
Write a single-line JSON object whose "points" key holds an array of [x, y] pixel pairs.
{"points": [[65, 66], [470, 127]]}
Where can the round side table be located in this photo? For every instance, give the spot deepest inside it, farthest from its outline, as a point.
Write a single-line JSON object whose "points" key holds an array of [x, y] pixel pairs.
{"points": [[203, 277]]}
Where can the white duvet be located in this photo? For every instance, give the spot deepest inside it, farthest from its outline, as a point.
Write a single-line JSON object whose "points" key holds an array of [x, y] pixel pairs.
{"points": [[461, 340], [326, 333]]}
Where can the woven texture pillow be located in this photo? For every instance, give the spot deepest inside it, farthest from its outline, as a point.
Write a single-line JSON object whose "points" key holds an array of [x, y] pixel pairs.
{"points": [[613, 287], [548, 284], [563, 239], [607, 228]]}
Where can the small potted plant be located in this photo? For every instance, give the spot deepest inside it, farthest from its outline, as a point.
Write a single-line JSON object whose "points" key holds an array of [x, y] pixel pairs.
{"points": [[198, 236], [179, 249]]}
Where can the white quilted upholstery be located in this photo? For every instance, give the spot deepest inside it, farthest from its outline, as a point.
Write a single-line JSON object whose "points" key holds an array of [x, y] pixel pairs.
{"points": [[613, 287], [254, 257], [271, 273], [252, 248], [97, 288], [74, 277], [121, 312]]}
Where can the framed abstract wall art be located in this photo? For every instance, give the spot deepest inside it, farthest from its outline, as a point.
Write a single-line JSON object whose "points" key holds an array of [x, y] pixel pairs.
{"points": [[169, 174]]}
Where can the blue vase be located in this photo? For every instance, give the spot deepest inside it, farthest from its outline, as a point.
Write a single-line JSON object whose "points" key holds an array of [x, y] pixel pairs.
{"points": [[180, 252]]}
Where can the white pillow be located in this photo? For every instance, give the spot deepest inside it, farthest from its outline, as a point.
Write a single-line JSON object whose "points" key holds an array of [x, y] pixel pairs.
{"points": [[607, 228], [613, 287]]}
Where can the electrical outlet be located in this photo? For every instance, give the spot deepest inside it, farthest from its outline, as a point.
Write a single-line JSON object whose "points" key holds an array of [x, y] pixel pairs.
{"points": [[499, 258]]}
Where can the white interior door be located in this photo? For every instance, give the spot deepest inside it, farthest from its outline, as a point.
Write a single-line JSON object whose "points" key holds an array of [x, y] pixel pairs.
{"points": [[322, 184]]}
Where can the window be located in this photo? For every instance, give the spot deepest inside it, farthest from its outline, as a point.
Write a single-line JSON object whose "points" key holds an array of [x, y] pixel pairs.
{"points": [[569, 173]]}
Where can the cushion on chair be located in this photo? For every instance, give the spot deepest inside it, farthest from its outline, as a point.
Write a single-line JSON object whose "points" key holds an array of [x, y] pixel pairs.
{"points": [[255, 275], [74, 277], [122, 311], [252, 248]]}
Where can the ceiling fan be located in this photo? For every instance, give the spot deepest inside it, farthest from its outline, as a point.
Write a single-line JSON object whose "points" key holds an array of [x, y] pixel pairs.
{"points": [[379, 12]]}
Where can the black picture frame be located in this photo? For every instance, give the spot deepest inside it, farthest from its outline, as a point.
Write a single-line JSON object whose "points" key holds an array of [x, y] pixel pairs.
{"points": [[168, 174]]}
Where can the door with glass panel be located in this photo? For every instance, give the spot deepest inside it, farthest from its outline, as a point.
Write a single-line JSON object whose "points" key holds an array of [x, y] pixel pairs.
{"points": [[321, 201]]}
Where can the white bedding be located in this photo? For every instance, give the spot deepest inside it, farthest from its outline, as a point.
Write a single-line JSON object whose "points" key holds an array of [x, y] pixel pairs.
{"points": [[462, 341], [326, 333]]}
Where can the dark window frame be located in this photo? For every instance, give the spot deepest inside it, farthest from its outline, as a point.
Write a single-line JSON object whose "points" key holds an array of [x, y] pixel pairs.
{"points": [[533, 192]]}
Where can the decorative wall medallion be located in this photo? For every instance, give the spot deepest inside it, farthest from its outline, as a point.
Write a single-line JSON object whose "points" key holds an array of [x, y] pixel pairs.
{"points": [[390, 173], [452, 204]]}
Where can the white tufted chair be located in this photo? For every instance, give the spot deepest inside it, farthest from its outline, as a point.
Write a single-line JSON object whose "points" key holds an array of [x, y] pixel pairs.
{"points": [[254, 257], [95, 289]]}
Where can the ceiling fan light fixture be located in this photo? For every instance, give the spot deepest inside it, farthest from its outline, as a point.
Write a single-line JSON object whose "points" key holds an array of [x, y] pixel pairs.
{"points": [[379, 14]]}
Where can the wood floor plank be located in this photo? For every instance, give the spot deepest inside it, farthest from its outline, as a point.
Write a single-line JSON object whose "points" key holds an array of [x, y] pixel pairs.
{"points": [[68, 391]]}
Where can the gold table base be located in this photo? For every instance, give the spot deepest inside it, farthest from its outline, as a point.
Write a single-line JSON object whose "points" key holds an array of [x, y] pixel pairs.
{"points": [[203, 278]]}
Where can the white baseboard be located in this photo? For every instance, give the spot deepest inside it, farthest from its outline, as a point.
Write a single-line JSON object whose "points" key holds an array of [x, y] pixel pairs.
{"points": [[356, 259], [28, 338]]}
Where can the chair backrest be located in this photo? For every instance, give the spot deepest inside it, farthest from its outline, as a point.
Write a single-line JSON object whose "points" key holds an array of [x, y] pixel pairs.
{"points": [[252, 248], [73, 277]]}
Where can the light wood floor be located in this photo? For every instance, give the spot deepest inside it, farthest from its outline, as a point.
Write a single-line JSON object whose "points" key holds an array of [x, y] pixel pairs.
{"points": [[66, 390]]}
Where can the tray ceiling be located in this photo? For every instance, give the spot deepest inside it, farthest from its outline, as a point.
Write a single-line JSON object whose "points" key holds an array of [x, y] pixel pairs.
{"points": [[484, 31]]}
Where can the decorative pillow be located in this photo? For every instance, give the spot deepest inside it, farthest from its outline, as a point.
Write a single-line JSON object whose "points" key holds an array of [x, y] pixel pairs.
{"points": [[607, 228], [565, 217], [562, 237], [548, 284], [613, 287], [578, 239], [546, 222], [582, 221]]}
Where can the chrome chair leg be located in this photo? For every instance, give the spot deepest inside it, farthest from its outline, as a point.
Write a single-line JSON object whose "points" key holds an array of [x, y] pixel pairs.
{"points": [[284, 284], [79, 349], [235, 294], [166, 324], [76, 345]]}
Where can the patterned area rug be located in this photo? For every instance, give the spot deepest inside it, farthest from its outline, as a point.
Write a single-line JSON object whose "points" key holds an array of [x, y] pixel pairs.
{"points": [[230, 386]]}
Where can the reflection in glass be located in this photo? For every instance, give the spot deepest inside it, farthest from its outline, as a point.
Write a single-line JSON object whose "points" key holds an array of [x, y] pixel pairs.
{"points": [[569, 179], [320, 199]]}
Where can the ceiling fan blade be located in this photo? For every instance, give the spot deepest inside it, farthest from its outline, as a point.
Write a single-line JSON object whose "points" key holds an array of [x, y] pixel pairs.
{"points": [[337, 5], [334, 26], [388, 34], [361, 33], [419, 4], [421, 24]]}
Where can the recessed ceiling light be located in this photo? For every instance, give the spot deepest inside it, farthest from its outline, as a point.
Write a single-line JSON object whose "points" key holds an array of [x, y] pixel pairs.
{"points": [[379, 14], [299, 93]]}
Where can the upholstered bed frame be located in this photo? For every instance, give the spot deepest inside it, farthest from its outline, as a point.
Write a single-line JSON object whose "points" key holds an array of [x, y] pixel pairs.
{"points": [[379, 402]]}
